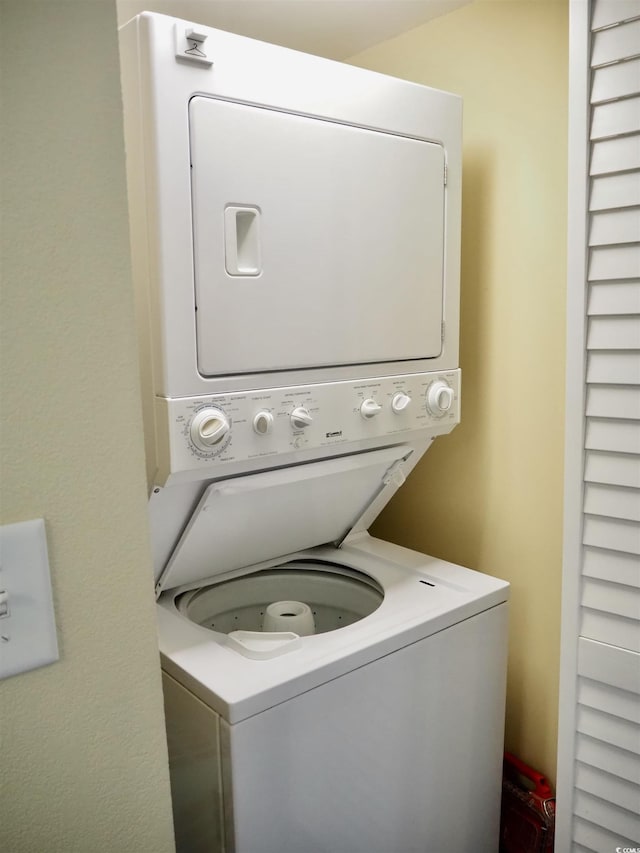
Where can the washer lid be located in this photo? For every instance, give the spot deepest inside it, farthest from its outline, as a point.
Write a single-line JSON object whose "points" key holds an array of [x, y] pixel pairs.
{"points": [[246, 520]]}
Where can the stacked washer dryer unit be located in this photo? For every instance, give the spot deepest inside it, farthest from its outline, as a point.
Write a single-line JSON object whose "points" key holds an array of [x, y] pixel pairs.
{"points": [[296, 227]]}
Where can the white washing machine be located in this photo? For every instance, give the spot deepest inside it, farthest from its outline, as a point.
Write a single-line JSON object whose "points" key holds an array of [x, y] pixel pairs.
{"points": [[295, 238]]}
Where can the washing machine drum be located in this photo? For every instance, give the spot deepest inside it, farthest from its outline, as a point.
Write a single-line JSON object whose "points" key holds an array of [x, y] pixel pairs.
{"points": [[304, 596]]}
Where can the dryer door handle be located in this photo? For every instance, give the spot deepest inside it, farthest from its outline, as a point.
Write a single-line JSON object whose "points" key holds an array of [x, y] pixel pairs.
{"points": [[242, 241]]}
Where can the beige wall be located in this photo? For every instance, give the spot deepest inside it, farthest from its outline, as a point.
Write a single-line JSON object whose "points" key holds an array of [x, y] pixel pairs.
{"points": [[490, 495], [84, 763]]}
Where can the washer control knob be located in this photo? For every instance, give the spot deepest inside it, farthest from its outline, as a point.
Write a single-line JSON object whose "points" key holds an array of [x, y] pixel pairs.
{"points": [[300, 418], [263, 422], [370, 408], [439, 398], [400, 402], [208, 428]]}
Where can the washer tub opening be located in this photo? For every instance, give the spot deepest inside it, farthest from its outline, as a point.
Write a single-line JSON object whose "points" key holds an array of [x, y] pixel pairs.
{"points": [[338, 596]]}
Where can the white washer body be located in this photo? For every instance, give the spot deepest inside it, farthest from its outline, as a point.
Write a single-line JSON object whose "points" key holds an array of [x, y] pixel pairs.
{"points": [[381, 737], [295, 241]]}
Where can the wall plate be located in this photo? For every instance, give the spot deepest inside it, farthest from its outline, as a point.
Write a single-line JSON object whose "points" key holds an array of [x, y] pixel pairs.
{"points": [[27, 625]]}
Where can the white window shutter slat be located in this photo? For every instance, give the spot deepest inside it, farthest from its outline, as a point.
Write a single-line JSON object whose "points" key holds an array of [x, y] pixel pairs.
{"points": [[610, 729], [618, 469], [610, 628], [608, 816], [609, 700], [607, 787], [608, 402], [595, 838], [619, 333], [615, 368], [616, 44], [615, 226], [615, 534], [615, 118], [608, 665], [615, 155], [614, 297], [612, 501], [615, 81], [610, 191], [616, 567], [612, 598], [614, 262], [612, 434], [608, 12], [610, 759]]}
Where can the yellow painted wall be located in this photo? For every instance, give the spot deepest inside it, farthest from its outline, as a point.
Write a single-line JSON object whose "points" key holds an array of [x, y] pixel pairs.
{"points": [[490, 495], [84, 759]]}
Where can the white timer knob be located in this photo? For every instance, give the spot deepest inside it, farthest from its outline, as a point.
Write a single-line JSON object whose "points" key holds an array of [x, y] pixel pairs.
{"points": [[439, 398], [300, 418], [208, 428], [400, 402], [263, 422], [369, 408]]}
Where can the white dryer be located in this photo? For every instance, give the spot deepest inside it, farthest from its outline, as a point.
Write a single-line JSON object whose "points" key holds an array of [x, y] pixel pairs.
{"points": [[295, 236]]}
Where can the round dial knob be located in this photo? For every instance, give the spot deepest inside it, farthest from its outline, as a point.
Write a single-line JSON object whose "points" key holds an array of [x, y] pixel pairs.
{"points": [[263, 422], [400, 402], [300, 418], [439, 398], [208, 428], [370, 408]]}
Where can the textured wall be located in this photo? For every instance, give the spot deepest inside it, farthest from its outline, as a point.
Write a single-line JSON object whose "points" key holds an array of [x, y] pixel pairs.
{"points": [[490, 495], [84, 763]]}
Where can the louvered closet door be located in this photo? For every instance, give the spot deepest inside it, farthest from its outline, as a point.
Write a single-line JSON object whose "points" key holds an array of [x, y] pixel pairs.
{"points": [[599, 767]]}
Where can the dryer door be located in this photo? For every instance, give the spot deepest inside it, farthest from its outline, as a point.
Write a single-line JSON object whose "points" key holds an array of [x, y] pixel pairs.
{"points": [[323, 241]]}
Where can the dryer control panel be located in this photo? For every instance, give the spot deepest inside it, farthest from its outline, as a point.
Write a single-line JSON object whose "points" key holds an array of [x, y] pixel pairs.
{"points": [[222, 429]]}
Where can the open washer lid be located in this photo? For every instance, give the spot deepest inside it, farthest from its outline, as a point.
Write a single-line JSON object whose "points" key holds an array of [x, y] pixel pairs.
{"points": [[247, 520]]}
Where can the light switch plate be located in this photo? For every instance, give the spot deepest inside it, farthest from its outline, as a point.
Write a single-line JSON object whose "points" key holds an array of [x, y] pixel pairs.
{"points": [[27, 624]]}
